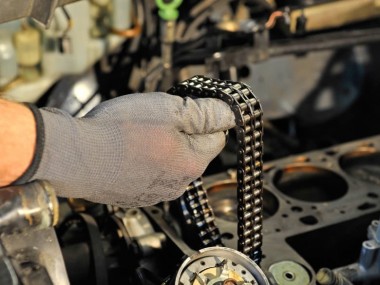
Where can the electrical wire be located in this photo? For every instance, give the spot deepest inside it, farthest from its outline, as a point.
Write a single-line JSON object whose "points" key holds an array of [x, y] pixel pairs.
{"points": [[273, 19], [137, 24], [188, 30], [141, 18], [201, 7], [192, 31], [128, 33]]}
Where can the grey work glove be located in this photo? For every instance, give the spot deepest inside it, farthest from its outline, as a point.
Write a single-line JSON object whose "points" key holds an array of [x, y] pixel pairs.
{"points": [[132, 151]]}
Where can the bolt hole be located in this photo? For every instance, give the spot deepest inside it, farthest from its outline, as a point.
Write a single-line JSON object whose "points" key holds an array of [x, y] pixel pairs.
{"points": [[278, 230], [342, 211], [284, 215], [366, 206], [243, 272], [296, 209], [26, 264], [227, 236], [203, 263], [309, 220], [289, 276], [372, 195]]}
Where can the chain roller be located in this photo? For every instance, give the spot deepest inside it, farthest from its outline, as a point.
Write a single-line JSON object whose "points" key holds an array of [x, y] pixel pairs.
{"points": [[249, 130]]}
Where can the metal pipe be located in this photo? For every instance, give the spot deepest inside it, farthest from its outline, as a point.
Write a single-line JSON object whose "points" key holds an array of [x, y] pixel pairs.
{"points": [[30, 206]]}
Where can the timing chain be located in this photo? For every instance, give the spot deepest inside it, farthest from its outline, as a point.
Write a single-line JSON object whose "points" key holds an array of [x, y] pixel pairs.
{"points": [[249, 131], [201, 214]]}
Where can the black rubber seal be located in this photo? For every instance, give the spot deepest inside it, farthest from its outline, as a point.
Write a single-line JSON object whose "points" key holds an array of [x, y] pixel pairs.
{"points": [[40, 143]]}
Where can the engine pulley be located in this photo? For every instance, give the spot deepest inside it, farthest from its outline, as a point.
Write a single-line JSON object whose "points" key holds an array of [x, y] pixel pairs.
{"points": [[219, 266]]}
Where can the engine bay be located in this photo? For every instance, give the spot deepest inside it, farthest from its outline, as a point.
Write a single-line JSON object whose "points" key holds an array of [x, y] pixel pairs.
{"points": [[319, 209], [308, 163]]}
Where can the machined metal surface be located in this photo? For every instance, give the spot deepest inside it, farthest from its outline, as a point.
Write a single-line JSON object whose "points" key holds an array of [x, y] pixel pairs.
{"points": [[140, 231], [325, 201], [222, 198], [326, 276], [29, 248], [249, 129], [219, 265], [289, 273], [36, 257], [156, 216], [369, 262], [30, 206]]}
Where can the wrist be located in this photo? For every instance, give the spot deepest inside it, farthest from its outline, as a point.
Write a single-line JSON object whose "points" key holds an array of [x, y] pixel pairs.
{"points": [[71, 152], [38, 146], [18, 141]]}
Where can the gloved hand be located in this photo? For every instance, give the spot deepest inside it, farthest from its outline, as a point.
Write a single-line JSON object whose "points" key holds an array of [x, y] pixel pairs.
{"points": [[132, 151]]}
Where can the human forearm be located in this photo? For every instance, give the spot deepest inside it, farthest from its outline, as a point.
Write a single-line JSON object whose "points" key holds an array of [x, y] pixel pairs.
{"points": [[131, 151], [17, 140]]}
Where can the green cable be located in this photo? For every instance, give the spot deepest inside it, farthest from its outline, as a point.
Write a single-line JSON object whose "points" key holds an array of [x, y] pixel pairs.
{"points": [[168, 9]]}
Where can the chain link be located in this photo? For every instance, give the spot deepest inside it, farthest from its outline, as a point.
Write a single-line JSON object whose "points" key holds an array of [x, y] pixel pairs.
{"points": [[249, 130]]}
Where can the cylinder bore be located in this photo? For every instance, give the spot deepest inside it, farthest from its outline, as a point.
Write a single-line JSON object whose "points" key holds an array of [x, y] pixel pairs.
{"points": [[362, 164], [310, 183], [223, 200]]}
